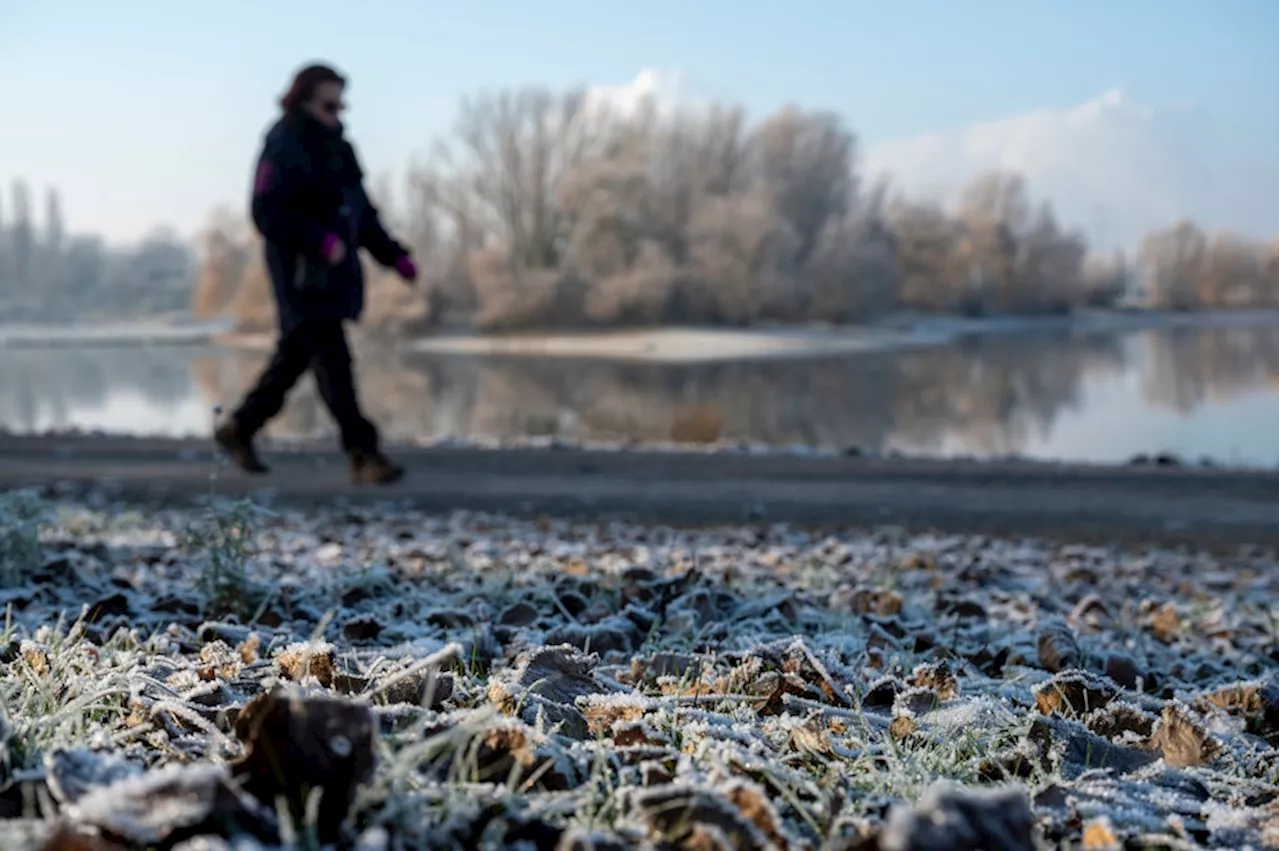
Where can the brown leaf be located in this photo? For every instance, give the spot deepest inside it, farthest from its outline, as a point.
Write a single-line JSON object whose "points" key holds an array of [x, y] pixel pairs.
{"points": [[1182, 740], [364, 628], [1077, 692], [248, 649], [1258, 704], [1099, 836], [602, 714], [812, 736], [757, 809], [1091, 611], [296, 744], [902, 726], [687, 817], [1165, 622], [1116, 719], [37, 658], [996, 820], [864, 601], [1123, 670], [67, 838], [297, 662], [1056, 649], [773, 688], [161, 807], [938, 678], [518, 614]]}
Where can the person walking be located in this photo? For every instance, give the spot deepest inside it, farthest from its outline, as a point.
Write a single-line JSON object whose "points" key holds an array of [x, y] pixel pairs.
{"points": [[310, 205]]}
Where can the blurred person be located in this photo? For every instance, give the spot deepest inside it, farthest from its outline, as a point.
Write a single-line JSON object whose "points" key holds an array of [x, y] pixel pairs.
{"points": [[310, 205]]}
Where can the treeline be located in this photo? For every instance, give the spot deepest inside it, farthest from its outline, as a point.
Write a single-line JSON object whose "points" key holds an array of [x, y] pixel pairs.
{"points": [[550, 210], [47, 274], [1186, 269]]}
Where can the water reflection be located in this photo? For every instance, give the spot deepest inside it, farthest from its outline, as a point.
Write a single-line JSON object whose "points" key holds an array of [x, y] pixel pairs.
{"points": [[1187, 368], [134, 389], [989, 395]]}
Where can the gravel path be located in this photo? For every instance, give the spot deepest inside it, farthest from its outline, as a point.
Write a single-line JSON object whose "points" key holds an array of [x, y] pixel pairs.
{"points": [[1208, 508]]}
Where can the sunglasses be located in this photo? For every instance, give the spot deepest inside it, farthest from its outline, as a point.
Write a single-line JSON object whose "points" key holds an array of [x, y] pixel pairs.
{"points": [[332, 107]]}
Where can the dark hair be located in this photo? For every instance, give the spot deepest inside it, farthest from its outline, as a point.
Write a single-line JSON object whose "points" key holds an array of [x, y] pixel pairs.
{"points": [[305, 83]]}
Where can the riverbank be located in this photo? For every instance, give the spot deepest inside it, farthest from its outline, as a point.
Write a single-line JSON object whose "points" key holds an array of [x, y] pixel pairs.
{"points": [[671, 345], [690, 345], [123, 334]]}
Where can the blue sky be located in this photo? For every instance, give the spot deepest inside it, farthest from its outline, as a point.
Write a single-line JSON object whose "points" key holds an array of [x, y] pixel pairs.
{"points": [[145, 112]]}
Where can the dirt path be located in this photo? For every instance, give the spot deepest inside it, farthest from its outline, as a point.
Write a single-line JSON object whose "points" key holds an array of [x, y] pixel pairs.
{"points": [[1203, 507]]}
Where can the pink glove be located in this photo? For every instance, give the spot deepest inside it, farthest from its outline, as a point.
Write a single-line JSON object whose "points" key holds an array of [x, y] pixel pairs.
{"points": [[406, 268], [333, 249]]}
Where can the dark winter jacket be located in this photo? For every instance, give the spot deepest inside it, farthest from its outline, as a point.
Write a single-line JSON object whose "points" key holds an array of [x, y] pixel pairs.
{"points": [[309, 186]]}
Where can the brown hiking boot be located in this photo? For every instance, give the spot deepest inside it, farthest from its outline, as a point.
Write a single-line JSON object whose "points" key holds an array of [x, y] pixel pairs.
{"points": [[373, 468], [233, 442]]}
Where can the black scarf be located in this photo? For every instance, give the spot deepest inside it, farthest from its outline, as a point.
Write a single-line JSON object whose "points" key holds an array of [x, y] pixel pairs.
{"points": [[328, 147]]}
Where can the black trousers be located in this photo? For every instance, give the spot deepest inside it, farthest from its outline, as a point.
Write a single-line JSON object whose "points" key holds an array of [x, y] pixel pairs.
{"points": [[320, 346]]}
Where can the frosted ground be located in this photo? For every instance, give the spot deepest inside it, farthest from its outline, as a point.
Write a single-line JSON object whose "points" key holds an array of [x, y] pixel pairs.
{"points": [[229, 677]]}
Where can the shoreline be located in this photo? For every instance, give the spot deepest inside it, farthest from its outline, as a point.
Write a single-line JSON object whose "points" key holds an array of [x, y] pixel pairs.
{"points": [[671, 344]]}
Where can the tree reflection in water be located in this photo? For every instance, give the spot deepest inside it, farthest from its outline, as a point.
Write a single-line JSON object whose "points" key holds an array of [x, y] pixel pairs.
{"points": [[983, 395], [987, 394]]}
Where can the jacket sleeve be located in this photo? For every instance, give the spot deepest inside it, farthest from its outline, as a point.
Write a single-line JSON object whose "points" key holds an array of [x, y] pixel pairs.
{"points": [[275, 209], [375, 239]]}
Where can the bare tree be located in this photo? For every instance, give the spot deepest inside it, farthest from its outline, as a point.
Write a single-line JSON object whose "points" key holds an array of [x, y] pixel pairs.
{"points": [[805, 163], [854, 270], [1233, 273], [21, 238], [1106, 279], [739, 253], [931, 273], [225, 256], [614, 246], [253, 306], [994, 217], [519, 145], [1049, 274], [1270, 283], [690, 158], [512, 295], [1171, 261]]}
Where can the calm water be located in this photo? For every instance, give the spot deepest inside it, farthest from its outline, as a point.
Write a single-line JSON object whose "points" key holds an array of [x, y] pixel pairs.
{"points": [[1198, 392]]}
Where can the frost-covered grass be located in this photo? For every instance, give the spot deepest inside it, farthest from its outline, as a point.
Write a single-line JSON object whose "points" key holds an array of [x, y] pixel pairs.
{"points": [[551, 683]]}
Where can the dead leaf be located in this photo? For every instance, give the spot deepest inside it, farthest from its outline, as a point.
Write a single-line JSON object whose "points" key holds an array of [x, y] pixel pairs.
{"points": [[298, 661], [296, 744], [1056, 649], [1182, 740], [1098, 836], [1165, 623]]}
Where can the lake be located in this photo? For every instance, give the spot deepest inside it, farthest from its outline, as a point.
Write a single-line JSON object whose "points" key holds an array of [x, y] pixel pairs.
{"points": [[1200, 392]]}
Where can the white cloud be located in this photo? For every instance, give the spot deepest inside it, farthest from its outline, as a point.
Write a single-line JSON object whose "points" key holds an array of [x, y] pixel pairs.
{"points": [[663, 88], [1113, 167]]}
